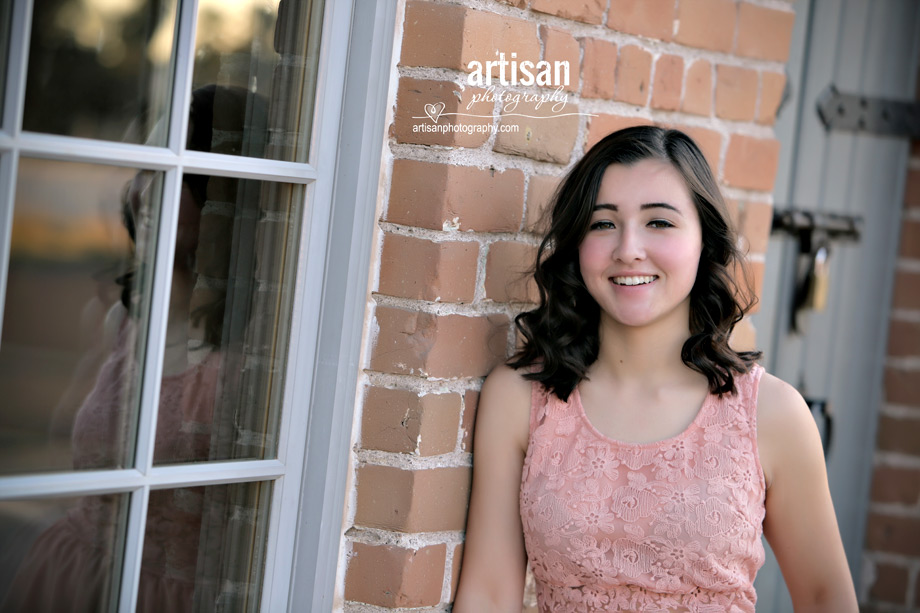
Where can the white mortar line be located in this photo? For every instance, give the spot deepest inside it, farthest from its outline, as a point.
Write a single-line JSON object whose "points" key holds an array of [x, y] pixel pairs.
{"points": [[483, 308], [421, 386], [404, 461]]}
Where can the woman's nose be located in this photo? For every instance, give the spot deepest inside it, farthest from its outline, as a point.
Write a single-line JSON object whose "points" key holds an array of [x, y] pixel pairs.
{"points": [[630, 247]]}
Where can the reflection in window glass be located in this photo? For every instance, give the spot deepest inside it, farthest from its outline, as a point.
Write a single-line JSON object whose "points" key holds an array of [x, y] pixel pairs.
{"points": [[204, 548], [227, 329], [255, 66], [114, 61], [74, 321], [6, 8], [62, 554]]}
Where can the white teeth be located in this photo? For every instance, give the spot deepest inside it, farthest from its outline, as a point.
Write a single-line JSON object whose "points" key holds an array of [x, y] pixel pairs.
{"points": [[633, 280]]}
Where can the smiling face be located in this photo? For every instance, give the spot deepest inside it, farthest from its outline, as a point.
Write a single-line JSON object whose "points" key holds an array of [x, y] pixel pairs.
{"points": [[640, 256]]}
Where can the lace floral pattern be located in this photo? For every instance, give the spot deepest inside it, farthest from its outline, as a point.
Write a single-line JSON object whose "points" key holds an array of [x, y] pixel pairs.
{"points": [[668, 526]]}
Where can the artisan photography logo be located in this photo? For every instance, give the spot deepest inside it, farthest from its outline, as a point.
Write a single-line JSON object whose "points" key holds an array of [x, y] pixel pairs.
{"points": [[512, 72], [496, 76]]}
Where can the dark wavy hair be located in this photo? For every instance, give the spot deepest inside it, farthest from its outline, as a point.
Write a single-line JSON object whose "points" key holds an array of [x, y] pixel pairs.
{"points": [[560, 336]]}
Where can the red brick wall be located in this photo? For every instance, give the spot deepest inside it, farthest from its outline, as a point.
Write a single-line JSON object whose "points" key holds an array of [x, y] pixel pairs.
{"points": [[457, 216], [891, 567]]}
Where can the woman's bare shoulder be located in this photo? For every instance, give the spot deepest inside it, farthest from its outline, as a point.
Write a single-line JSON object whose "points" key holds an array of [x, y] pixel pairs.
{"points": [[784, 424], [505, 402], [778, 403]]}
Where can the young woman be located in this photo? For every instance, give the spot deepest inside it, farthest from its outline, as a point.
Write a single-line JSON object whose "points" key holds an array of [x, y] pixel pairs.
{"points": [[627, 451]]}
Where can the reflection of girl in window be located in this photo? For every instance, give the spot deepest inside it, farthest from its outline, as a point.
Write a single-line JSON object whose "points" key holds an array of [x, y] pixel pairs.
{"points": [[70, 565], [627, 452]]}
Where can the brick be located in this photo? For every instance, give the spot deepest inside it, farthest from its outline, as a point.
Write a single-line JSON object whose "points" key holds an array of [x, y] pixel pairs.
{"points": [[893, 534], [603, 124], [764, 33], [901, 435], [736, 92], [488, 34], [698, 90], [772, 85], [540, 191], [400, 421], [906, 290], [599, 76], [902, 387], [507, 272], [441, 196], [669, 80], [912, 188], [904, 338], [896, 485], [709, 142], [756, 222], [422, 269], [890, 584], [427, 500], [433, 35], [634, 70], [560, 46], [744, 336], [706, 24], [392, 576], [438, 346], [910, 239], [651, 18], [587, 11], [751, 162], [450, 36], [468, 423], [545, 132], [424, 104]]}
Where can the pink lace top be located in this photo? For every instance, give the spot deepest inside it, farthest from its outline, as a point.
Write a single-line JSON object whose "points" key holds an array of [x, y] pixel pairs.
{"points": [[673, 525]]}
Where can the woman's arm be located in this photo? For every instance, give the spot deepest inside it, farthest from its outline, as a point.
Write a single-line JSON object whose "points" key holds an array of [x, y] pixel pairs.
{"points": [[800, 523], [494, 561]]}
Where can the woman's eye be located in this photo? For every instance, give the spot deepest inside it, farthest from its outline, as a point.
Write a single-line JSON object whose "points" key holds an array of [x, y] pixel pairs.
{"points": [[603, 224], [660, 223]]}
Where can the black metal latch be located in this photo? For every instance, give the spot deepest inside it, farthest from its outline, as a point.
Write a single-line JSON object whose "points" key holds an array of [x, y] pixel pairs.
{"points": [[855, 113], [814, 231]]}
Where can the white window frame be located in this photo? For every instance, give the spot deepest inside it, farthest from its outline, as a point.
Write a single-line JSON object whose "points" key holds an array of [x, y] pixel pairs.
{"points": [[340, 180]]}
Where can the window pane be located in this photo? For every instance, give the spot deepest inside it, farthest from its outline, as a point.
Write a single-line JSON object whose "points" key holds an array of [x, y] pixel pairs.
{"points": [[6, 8], [204, 548], [62, 554], [74, 321], [255, 65], [101, 69], [229, 312]]}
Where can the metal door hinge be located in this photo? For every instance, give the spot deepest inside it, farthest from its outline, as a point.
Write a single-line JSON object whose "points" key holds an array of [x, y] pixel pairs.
{"points": [[855, 113]]}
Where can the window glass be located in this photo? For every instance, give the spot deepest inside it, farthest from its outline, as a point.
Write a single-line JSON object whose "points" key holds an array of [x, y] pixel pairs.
{"points": [[62, 554], [74, 320], [114, 60], [227, 329], [6, 8], [204, 548], [255, 66]]}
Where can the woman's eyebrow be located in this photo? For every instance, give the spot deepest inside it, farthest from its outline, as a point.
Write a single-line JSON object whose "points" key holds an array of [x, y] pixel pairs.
{"points": [[647, 205]]}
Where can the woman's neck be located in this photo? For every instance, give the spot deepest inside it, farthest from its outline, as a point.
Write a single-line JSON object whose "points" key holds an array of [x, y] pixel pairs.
{"points": [[646, 355]]}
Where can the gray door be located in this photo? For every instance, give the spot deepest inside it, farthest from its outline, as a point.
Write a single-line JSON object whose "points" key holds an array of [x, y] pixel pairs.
{"points": [[863, 47]]}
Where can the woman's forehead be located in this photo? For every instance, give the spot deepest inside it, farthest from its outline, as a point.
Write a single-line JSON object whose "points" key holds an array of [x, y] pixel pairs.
{"points": [[643, 182]]}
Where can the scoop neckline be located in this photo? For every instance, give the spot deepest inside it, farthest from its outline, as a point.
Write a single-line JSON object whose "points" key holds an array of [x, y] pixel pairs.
{"points": [[693, 425]]}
